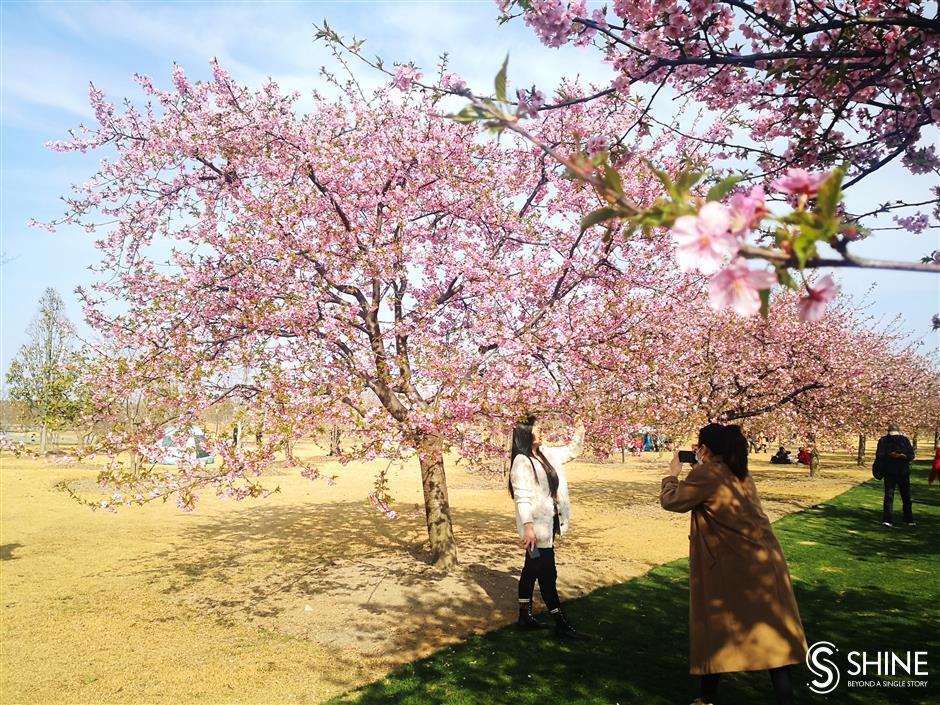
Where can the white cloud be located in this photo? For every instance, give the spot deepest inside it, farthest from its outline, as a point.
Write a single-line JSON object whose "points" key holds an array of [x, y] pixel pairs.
{"points": [[44, 78]]}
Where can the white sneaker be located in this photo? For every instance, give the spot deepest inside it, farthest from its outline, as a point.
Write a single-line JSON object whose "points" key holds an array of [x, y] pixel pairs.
{"points": [[887, 523]]}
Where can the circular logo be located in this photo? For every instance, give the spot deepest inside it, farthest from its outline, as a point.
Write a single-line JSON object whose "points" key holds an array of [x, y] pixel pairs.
{"points": [[825, 670]]}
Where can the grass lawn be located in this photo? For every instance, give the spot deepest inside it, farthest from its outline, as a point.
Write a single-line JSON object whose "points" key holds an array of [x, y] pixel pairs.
{"points": [[860, 585]]}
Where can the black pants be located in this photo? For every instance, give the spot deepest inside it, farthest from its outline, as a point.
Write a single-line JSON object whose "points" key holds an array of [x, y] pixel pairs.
{"points": [[541, 569], [779, 678], [903, 483]]}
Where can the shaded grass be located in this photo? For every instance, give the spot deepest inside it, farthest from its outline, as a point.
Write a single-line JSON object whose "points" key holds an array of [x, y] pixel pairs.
{"points": [[860, 585]]}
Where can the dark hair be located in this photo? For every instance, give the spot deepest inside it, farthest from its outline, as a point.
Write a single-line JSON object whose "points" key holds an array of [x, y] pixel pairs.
{"points": [[522, 445], [727, 442]]}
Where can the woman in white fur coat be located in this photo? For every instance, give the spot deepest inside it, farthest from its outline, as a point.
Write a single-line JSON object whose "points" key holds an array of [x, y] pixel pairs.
{"points": [[539, 487]]}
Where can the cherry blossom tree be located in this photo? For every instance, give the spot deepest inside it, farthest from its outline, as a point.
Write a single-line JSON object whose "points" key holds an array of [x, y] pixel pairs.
{"points": [[824, 82], [371, 264], [840, 373]]}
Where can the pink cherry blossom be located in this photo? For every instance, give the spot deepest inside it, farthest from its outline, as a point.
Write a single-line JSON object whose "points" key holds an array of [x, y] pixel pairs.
{"points": [[597, 144], [703, 241], [453, 81], [529, 102], [737, 287], [747, 210], [916, 223], [812, 307], [800, 182], [405, 76]]}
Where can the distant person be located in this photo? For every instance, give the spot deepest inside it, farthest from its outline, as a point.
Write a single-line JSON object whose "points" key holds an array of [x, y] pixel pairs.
{"points": [[538, 484], [743, 614], [762, 443], [781, 457], [894, 454], [636, 446], [804, 457], [935, 471]]}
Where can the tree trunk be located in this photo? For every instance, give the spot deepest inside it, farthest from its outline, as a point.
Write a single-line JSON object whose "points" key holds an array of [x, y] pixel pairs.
{"points": [[914, 442], [936, 440], [335, 448], [814, 464], [860, 460], [43, 438], [436, 505]]}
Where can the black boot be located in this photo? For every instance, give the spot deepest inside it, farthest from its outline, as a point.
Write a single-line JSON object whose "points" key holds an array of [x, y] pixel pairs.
{"points": [[526, 620], [564, 628]]}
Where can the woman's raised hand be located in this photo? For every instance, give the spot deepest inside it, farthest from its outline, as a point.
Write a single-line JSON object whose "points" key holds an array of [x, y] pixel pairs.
{"points": [[675, 465]]}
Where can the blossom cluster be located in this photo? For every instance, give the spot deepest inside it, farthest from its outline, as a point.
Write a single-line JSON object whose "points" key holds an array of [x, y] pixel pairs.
{"points": [[709, 242]]}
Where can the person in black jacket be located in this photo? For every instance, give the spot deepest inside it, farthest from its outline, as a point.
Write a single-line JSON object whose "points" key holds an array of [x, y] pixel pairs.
{"points": [[895, 454]]}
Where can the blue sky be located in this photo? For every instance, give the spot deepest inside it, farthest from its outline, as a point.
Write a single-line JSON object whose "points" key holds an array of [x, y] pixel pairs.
{"points": [[51, 50]]}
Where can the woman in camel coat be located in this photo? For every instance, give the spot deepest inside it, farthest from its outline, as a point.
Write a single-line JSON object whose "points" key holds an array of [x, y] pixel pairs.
{"points": [[742, 612]]}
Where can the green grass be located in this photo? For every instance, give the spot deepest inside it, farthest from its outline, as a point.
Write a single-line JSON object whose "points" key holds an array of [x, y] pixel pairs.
{"points": [[860, 585]]}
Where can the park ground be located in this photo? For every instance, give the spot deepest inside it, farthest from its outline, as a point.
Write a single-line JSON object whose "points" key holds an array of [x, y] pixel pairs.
{"points": [[311, 593]]}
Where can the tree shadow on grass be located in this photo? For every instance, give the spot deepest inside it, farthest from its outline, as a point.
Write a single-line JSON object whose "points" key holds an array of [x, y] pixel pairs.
{"points": [[344, 576], [640, 654]]}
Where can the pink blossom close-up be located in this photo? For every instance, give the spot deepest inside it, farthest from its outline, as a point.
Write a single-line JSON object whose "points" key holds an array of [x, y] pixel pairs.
{"points": [[747, 210], [800, 182], [812, 307], [737, 287], [405, 76], [596, 144], [704, 242]]}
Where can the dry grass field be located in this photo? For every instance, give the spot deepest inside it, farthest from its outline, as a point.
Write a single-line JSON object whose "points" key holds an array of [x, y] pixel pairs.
{"points": [[303, 595]]}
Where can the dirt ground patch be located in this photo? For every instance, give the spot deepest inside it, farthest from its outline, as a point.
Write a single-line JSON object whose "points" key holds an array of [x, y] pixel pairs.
{"points": [[309, 592]]}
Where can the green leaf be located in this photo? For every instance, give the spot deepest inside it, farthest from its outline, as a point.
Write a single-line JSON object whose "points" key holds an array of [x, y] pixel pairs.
{"points": [[613, 180], [686, 180], [785, 278], [829, 195], [599, 216], [501, 81], [764, 302], [804, 247], [470, 113], [721, 189], [662, 176]]}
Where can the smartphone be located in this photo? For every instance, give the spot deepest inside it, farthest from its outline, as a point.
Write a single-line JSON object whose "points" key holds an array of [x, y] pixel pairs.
{"points": [[687, 456], [534, 552]]}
